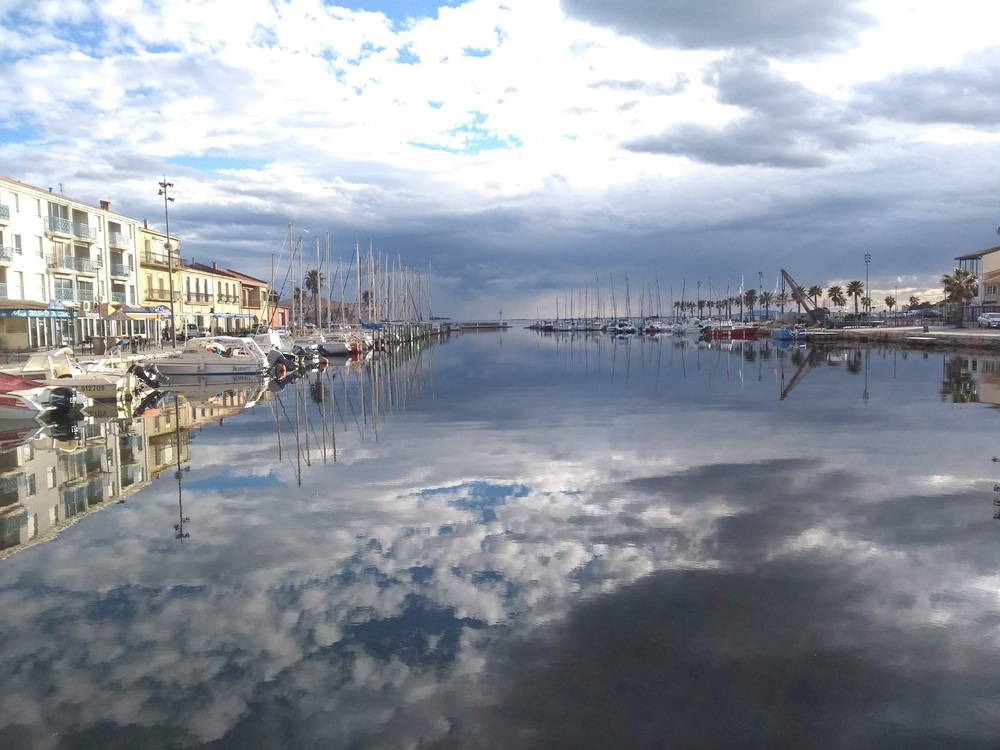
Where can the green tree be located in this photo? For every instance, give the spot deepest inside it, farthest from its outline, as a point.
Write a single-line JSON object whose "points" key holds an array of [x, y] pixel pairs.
{"points": [[814, 293], [314, 285], [855, 289], [836, 295], [890, 302], [914, 301], [958, 384], [960, 286], [750, 298], [766, 298]]}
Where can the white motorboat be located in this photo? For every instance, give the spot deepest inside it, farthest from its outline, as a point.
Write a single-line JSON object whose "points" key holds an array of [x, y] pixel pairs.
{"points": [[216, 356], [22, 400], [106, 379]]}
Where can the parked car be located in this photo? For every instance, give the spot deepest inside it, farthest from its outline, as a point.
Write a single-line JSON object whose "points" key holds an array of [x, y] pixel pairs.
{"points": [[989, 320], [192, 330]]}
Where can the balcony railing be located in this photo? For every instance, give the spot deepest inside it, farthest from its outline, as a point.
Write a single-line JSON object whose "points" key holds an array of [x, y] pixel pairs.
{"points": [[6, 254], [199, 298], [59, 225], [3, 291], [119, 297], [85, 295], [72, 263], [156, 259], [120, 241], [120, 269], [4, 212], [64, 295], [159, 295]]}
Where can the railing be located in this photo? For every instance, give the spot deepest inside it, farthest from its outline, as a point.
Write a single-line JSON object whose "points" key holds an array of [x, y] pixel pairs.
{"points": [[120, 241], [120, 269], [60, 225], [6, 254], [72, 263], [159, 295], [64, 295], [3, 290], [85, 295], [199, 297], [118, 297], [153, 259], [4, 212]]}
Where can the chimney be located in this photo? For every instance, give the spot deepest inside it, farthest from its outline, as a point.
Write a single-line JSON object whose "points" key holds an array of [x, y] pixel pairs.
{"points": [[145, 223], [215, 265], [105, 205]]}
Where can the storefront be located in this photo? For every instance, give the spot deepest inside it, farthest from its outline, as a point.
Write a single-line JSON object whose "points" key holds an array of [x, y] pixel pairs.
{"points": [[34, 325]]}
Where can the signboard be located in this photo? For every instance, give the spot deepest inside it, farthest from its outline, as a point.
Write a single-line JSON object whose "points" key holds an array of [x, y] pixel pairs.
{"points": [[37, 313]]}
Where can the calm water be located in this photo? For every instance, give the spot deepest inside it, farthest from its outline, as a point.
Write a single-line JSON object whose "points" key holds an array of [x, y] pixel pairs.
{"points": [[519, 541]]}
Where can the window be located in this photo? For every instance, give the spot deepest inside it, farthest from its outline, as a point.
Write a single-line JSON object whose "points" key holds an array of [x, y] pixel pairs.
{"points": [[17, 243], [63, 289], [31, 485], [991, 290], [17, 201], [38, 206], [50, 477], [41, 248]]}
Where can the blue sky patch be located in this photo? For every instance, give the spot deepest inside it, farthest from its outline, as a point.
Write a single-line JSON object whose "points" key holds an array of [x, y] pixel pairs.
{"points": [[217, 163]]}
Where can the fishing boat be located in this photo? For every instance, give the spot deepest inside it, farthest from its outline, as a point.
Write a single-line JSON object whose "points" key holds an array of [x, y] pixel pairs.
{"points": [[105, 379], [22, 400], [216, 356]]}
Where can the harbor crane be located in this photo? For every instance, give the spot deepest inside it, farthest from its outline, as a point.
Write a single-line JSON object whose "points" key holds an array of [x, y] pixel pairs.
{"points": [[816, 314]]}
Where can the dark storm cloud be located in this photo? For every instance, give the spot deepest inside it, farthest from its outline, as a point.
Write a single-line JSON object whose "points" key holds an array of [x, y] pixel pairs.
{"points": [[784, 123], [782, 27], [968, 96]]}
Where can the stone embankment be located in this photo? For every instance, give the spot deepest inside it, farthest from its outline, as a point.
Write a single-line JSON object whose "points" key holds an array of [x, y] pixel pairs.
{"points": [[920, 337]]}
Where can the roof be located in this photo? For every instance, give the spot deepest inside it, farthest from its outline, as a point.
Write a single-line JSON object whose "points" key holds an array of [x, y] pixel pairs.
{"points": [[978, 253], [244, 277]]}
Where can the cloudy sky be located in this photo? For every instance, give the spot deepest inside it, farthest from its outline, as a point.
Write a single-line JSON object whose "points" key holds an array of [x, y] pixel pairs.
{"points": [[520, 152]]}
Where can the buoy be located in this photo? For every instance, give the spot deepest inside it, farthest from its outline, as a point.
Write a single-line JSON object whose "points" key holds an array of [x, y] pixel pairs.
{"points": [[281, 371]]}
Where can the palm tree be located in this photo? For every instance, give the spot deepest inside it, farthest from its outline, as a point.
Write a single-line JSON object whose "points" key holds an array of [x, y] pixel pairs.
{"points": [[314, 285], [836, 295], [814, 293], [766, 298], [890, 302], [914, 301], [855, 289], [960, 286], [750, 298]]}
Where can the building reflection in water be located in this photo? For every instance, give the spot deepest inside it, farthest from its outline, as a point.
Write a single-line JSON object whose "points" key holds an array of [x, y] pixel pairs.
{"points": [[53, 476]]}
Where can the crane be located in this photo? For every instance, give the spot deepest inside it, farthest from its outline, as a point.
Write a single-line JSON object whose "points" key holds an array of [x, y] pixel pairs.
{"points": [[816, 314]]}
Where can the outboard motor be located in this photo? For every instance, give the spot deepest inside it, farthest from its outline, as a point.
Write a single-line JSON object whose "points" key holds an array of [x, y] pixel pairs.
{"points": [[148, 374], [64, 400]]}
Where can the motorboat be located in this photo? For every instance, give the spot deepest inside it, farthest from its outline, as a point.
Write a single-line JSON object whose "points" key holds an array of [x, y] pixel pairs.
{"points": [[105, 379], [23, 400], [216, 356]]}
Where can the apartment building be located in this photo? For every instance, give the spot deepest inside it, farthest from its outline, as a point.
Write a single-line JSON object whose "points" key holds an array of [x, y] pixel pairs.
{"points": [[60, 260]]}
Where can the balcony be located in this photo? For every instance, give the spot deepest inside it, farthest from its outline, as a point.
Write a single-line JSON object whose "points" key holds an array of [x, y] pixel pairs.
{"points": [[119, 297], [158, 260], [64, 295], [3, 290], [72, 263], [85, 295], [4, 213], [199, 298], [119, 241], [159, 295], [6, 254], [59, 225], [120, 269]]}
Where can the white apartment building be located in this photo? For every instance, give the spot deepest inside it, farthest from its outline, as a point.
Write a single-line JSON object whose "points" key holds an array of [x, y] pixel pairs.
{"points": [[60, 258]]}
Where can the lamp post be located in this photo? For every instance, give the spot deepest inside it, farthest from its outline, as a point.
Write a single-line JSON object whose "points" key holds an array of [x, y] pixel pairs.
{"points": [[170, 257], [868, 294], [760, 287]]}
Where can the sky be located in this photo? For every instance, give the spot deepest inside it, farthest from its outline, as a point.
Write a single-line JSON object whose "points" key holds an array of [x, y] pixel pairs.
{"points": [[525, 154]]}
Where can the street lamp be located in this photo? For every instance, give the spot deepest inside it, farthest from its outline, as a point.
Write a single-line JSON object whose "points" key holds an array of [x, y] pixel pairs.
{"points": [[760, 287], [868, 294], [170, 257]]}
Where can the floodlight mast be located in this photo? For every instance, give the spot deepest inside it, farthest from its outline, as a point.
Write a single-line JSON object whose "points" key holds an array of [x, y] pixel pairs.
{"points": [[170, 257]]}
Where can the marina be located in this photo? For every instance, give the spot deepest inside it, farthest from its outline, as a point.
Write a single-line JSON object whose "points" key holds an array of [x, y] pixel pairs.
{"points": [[440, 538]]}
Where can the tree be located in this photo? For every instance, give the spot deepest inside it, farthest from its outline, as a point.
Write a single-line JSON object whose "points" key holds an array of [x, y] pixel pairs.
{"points": [[766, 298], [814, 293], [314, 285], [836, 295], [914, 301], [960, 286], [750, 298], [890, 302], [855, 289]]}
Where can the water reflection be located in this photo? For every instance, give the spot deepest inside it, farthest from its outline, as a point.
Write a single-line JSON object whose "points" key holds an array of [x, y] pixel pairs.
{"points": [[544, 543]]}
